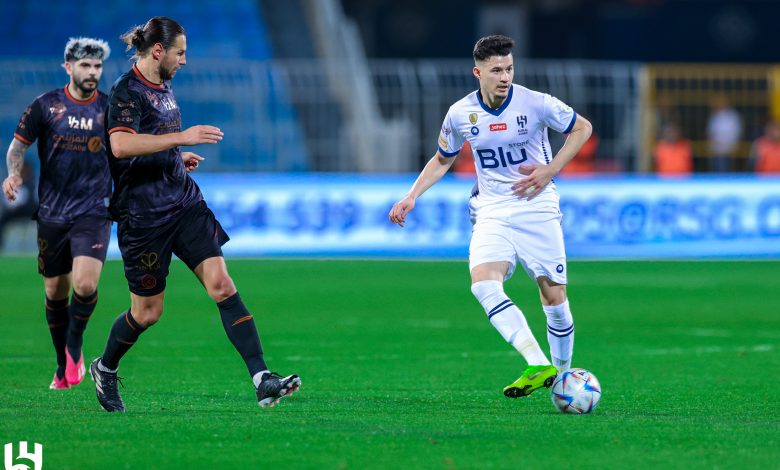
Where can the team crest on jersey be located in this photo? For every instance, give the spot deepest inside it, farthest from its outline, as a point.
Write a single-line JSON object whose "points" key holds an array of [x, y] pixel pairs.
{"points": [[522, 122], [473, 118], [57, 108], [152, 98]]}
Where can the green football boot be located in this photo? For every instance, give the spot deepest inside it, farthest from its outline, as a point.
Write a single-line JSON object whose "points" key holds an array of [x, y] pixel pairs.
{"points": [[534, 377]]}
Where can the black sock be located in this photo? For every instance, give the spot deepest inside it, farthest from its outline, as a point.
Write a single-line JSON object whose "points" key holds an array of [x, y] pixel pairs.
{"points": [[57, 317], [81, 309], [240, 328], [124, 334]]}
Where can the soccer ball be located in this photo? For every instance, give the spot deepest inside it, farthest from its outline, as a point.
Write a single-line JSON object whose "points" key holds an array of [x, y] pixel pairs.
{"points": [[576, 391]]}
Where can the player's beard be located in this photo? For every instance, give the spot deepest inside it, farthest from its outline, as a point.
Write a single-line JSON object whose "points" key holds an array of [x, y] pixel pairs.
{"points": [[165, 73], [86, 86]]}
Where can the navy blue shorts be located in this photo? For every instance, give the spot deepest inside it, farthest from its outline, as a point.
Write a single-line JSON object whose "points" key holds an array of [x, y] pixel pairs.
{"points": [[193, 236], [58, 244]]}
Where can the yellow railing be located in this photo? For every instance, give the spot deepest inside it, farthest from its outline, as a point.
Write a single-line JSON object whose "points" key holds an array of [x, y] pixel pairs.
{"points": [[685, 93]]}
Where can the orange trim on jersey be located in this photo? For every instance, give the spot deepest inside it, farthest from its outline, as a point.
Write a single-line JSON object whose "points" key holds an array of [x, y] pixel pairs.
{"points": [[22, 139], [122, 129], [144, 80], [89, 100]]}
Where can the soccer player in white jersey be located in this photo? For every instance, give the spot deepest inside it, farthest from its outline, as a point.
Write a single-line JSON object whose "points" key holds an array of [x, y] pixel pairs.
{"points": [[515, 205]]}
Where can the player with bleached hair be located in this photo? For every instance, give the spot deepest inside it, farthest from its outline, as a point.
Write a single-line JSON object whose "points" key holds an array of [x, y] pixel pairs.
{"points": [[515, 204], [73, 192]]}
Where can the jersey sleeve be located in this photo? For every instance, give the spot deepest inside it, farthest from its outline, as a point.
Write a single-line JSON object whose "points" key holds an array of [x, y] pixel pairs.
{"points": [[30, 124], [450, 140], [124, 111], [558, 115]]}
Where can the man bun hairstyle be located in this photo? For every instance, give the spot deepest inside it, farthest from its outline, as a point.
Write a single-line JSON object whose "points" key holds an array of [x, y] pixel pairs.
{"points": [[159, 29], [496, 45], [86, 48]]}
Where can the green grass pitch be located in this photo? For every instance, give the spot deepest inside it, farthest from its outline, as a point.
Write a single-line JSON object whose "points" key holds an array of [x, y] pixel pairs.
{"points": [[401, 369]]}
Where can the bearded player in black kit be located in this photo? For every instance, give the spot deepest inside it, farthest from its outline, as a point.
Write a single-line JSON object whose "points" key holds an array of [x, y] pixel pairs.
{"points": [[160, 211], [73, 192]]}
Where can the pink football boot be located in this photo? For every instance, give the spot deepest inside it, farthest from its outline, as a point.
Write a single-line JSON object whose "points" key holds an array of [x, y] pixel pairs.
{"points": [[59, 384], [74, 371]]}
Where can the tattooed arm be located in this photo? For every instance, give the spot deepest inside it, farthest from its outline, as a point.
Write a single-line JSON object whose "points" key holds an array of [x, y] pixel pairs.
{"points": [[15, 161]]}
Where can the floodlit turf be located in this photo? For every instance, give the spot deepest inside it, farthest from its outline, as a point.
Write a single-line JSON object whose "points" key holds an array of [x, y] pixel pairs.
{"points": [[401, 369]]}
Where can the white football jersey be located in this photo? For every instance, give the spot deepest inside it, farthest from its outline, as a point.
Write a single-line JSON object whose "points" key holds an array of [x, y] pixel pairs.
{"points": [[502, 139]]}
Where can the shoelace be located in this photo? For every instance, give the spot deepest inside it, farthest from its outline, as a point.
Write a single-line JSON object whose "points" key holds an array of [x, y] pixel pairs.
{"points": [[112, 379]]}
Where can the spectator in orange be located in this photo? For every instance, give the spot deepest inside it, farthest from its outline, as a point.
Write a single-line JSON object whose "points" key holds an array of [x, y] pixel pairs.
{"points": [[765, 154], [464, 165], [673, 153], [585, 161]]}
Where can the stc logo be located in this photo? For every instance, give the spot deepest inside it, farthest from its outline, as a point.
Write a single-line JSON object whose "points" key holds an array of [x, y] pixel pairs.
{"points": [[36, 458], [489, 158]]}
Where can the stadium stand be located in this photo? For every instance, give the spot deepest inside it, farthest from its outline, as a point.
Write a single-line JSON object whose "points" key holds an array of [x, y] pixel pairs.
{"points": [[227, 45]]}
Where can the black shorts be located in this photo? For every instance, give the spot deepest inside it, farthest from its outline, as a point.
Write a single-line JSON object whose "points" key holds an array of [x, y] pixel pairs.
{"points": [[193, 236], [58, 244]]}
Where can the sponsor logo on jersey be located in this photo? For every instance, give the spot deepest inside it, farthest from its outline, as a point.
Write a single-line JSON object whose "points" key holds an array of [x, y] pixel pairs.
{"points": [[499, 158], [95, 144], [169, 103], [474, 130], [498, 127], [83, 123], [473, 118]]}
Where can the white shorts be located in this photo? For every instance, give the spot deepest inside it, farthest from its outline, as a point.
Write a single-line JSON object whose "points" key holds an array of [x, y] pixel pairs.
{"points": [[531, 235]]}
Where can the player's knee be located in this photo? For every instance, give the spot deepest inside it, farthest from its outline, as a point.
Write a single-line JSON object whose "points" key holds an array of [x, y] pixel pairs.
{"points": [[221, 288], [56, 287], [147, 315], [553, 297], [85, 287]]}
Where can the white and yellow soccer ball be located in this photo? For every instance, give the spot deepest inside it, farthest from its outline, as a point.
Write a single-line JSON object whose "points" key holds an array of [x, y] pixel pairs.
{"points": [[576, 391]]}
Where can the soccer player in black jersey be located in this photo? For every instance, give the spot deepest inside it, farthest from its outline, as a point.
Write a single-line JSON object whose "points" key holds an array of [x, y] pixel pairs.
{"points": [[73, 192], [160, 211]]}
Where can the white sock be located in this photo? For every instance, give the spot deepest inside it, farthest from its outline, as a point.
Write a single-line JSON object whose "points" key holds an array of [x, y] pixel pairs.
{"points": [[258, 378], [508, 320], [105, 369], [560, 334]]}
